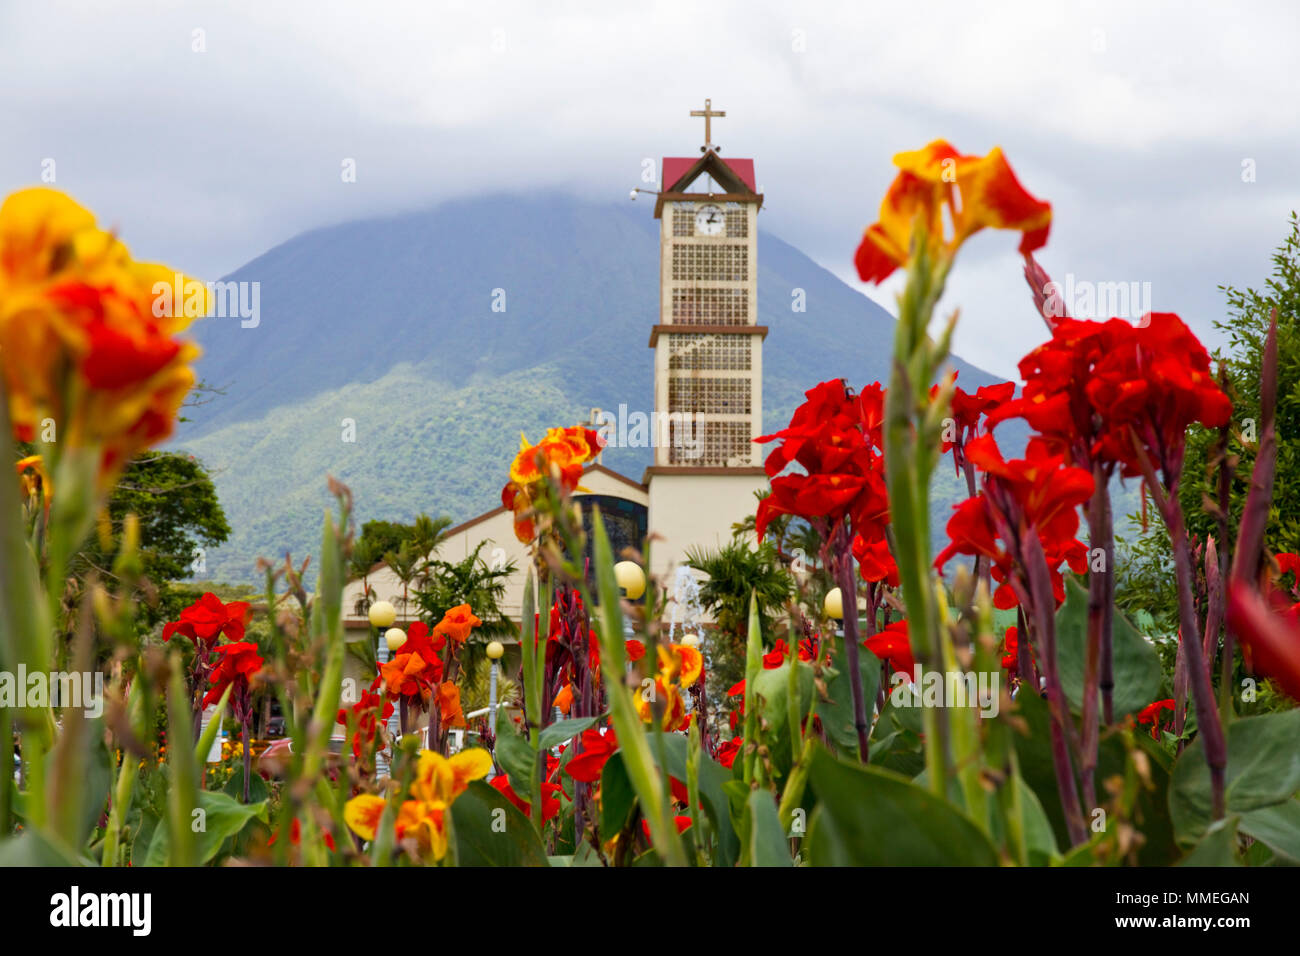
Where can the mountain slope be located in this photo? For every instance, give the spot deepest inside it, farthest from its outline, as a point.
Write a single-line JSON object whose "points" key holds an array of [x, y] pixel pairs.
{"points": [[389, 323]]}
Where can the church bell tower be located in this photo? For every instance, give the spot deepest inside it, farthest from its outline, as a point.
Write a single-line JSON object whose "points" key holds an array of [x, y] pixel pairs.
{"points": [[708, 352]]}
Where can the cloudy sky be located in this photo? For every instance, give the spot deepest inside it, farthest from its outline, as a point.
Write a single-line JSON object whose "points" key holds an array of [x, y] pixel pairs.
{"points": [[1165, 135]]}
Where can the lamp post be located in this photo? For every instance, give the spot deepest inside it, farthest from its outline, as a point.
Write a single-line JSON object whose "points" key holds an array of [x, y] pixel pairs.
{"points": [[382, 615], [494, 652], [833, 605]]}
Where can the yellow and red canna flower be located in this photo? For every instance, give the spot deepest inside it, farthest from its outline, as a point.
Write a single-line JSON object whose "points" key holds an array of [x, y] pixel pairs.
{"points": [[560, 455], [457, 623], [680, 664], [33, 480], [937, 184], [362, 814], [438, 782], [85, 338], [674, 709], [443, 779]]}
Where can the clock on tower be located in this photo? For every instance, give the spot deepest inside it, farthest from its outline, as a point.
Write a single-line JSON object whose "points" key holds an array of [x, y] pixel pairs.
{"points": [[708, 349]]}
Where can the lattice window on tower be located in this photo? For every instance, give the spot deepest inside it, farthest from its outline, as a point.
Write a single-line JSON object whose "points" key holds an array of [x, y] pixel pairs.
{"points": [[684, 219], [706, 444], [709, 353], [710, 262], [737, 221], [709, 395], [706, 306]]}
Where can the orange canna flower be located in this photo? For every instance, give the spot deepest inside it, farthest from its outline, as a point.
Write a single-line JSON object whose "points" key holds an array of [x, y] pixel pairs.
{"points": [[449, 705], [86, 338], [936, 184], [564, 699], [457, 623]]}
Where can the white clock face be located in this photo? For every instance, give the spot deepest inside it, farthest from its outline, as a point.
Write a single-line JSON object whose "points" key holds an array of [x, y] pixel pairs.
{"points": [[709, 221]]}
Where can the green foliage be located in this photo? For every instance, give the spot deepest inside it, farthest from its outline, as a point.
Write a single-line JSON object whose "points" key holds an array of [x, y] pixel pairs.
{"points": [[175, 501], [735, 571], [1138, 677]]}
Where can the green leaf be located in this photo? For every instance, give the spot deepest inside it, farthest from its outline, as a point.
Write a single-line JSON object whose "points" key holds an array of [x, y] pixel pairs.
{"points": [[223, 817], [33, 848], [515, 755], [1138, 678], [1218, 847], [491, 832], [1263, 770], [768, 845], [866, 816], [771, 694], [257, 788], [1277, 827], [617, 798], [713, 794], [564, 730], [836, 713], [1033, 750]]}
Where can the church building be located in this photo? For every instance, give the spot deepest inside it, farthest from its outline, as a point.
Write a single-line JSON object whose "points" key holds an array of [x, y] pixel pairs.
{"points": [[708, 392]]}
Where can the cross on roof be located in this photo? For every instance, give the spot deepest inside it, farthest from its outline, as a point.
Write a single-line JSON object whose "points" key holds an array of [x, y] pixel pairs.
{"points": [[708, 113]]}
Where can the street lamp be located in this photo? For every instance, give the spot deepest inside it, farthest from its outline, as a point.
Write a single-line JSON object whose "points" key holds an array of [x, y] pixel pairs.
{"points": [[630, 578], [834, 604], [394, 637], [382, 615]]}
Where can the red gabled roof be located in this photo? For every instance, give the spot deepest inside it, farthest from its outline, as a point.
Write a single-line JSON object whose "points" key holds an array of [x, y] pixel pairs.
{"points": [[676, 167]]}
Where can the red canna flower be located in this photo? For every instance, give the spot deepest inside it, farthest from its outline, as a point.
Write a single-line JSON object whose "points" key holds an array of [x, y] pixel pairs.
{"points": [[681, 821], [1270, 630], [1150, 714], [295, 835], [597, 748], [415, 668], [1037, 493], [835, 438], [371, 712], [875, 561], [635, 649], [550, 802], [893, 646], [727, 751], [237, 665], [209, 618]]}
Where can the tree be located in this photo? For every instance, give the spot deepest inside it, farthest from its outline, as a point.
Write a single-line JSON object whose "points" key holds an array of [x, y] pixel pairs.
{"points": [[180, 517], [735, 571], [482, 586], [1146, 576]]}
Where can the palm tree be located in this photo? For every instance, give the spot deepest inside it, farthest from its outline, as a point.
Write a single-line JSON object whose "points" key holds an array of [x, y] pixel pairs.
{"points": [[737, 570]]}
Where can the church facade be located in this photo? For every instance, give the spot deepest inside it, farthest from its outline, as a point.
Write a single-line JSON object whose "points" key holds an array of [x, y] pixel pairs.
{"points": [[708, 395]]}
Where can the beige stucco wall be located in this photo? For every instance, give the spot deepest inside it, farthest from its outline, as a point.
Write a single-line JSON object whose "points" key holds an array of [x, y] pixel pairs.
{"points": [[696, 511]]}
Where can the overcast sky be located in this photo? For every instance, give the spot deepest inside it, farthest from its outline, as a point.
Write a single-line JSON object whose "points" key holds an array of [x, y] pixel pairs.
{"points": [[209, 132]]}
